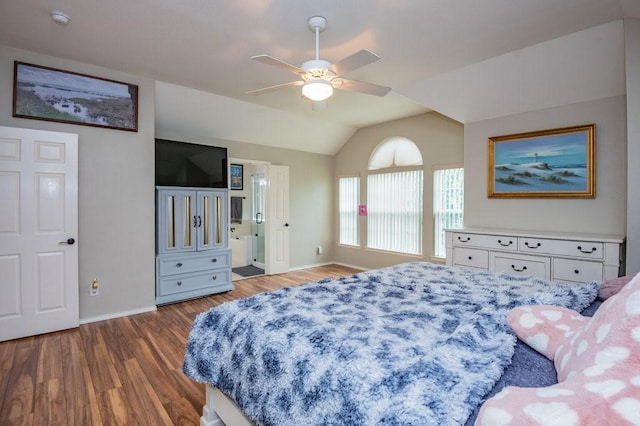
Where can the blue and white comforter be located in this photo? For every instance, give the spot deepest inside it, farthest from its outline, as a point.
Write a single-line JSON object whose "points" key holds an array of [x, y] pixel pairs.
{"points": [[413, 344]]}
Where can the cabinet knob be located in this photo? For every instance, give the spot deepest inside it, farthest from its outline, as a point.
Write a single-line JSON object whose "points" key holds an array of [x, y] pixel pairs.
{"points": [[469, 257], [505, 244], [531, 246], [179, 283], [214, 260], [214, 277], [179, 265], [464, 241], [576, 271]]}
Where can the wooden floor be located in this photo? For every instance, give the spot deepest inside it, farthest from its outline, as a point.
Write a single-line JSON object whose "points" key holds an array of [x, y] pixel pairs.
{"points": [[125, 371]]}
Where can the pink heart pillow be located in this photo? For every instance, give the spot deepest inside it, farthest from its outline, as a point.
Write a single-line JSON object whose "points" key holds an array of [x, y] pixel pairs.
{"points": [[597, 360]]}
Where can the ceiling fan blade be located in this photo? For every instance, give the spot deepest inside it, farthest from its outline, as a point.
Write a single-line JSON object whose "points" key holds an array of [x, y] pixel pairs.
{"points": [[270, 60], [276, 87], [357, 60], [361, 86]]}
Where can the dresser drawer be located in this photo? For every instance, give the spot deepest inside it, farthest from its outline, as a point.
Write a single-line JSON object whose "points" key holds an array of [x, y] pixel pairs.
{"points": [[577, 270], [583, 249], [497, 242], [191, 263], [535, 266], [184, 283], [471, 257]]}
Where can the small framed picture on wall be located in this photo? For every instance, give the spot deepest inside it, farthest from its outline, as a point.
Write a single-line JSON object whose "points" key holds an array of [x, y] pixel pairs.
{"points": [[236, 177]]}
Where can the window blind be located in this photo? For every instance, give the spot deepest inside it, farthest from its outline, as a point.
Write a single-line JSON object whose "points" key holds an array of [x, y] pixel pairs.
{"points": [[349, 197], [394, 219], [448, 204]]}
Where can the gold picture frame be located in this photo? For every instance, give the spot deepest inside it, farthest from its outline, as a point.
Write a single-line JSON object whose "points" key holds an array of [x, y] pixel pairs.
{"points": [[555, 163]]}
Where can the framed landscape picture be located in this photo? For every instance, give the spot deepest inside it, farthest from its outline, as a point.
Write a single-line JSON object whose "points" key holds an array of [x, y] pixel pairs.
{"points": [[556, 163], [44, 93]]}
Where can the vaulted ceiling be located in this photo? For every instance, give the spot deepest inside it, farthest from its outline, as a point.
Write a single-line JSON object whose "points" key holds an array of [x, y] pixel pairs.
{"points": [[462, 58]]}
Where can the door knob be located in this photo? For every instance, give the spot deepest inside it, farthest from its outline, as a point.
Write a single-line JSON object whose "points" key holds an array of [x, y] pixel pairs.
{"points": [[70, 241]]}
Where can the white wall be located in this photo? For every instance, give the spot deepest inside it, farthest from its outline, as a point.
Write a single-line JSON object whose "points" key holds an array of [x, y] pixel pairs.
{"points": [[632, 54], [605, 214], [115, 194]]}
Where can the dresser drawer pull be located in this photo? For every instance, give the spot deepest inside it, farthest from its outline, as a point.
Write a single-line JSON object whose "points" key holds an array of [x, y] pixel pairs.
{"points": [[505, 245], [524, 268], [576, 271], [179, 265], [586, 251], [179, 283], [214, 277], [526, 243], [464, 241], [214, 260]]}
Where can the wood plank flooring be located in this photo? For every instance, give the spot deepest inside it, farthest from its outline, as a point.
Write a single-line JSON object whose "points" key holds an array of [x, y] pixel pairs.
{"points": [[125, 371]]}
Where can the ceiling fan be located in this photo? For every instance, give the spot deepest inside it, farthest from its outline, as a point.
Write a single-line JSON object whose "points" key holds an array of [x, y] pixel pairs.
{"points": [[318, 77]]}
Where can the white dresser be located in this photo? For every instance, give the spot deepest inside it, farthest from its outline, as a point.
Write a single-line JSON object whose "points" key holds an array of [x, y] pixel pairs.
{"points": [[558, 257]]}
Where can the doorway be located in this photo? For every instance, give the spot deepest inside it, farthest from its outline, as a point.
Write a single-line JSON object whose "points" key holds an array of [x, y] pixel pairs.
{"points": [[260, 241]]}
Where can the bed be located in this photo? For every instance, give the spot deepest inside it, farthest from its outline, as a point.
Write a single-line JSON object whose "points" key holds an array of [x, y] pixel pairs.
{"points": [[416, 343]]}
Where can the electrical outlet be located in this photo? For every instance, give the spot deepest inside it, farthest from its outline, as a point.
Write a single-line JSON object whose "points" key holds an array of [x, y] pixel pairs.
{"points": [[319, 250], [93, 289]]}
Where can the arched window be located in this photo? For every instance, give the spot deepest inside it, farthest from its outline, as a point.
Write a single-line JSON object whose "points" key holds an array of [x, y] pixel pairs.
{"points": [[395, 151], [394, 197]]}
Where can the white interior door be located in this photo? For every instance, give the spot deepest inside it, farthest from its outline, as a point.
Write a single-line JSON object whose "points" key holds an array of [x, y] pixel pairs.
{"points": [[277, 236], [38, 228]]}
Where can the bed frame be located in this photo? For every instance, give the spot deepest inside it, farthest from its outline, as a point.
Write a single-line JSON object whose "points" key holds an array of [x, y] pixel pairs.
{"points": [[220, 410]]}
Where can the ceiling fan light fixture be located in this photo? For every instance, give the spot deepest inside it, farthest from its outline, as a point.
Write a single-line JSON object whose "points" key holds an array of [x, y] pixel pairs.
{"points": [[317, 90]]}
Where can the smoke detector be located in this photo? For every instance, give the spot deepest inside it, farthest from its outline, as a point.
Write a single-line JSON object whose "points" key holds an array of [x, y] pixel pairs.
{"points": [[60, 18]]}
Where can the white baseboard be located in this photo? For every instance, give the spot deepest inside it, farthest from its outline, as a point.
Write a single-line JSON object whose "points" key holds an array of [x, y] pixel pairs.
{"points": [[348, 265], [118, 314], [315, 265]]}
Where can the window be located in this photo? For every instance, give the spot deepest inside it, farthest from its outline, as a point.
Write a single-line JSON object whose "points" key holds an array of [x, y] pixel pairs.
{"points": [[448, 204], [395, 211], [395, 152], [348, 199], [394, 197]]}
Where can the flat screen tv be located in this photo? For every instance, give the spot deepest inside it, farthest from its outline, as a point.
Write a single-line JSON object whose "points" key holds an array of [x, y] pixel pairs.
{"points": [[189, 164]]}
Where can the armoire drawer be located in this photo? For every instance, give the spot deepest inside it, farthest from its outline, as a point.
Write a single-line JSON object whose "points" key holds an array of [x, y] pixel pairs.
{"points": [[191, 263], [184, 283], [498, 242], [583, 249], [577, 270], [534, 266], [471, 257]]}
